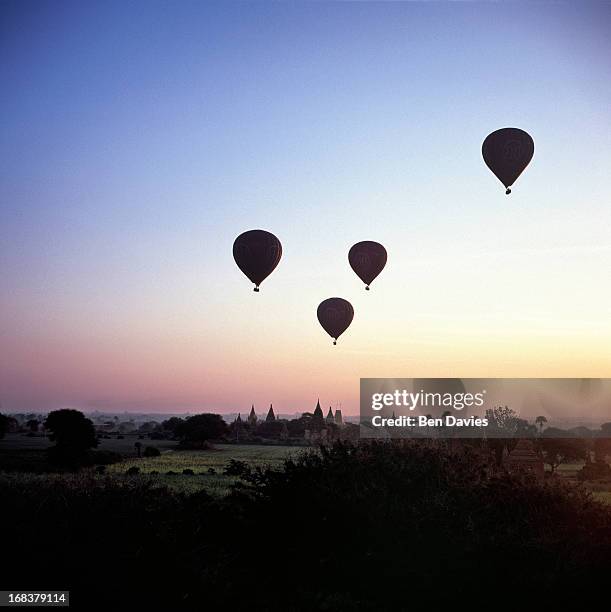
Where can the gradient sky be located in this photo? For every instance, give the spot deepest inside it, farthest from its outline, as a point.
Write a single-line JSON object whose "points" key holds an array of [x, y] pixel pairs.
{"points": [[138, 139]]}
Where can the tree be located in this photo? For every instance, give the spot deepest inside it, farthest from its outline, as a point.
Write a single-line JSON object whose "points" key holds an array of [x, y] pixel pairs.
{"points": [[602, 448], [606, 429], [4, 425], [198, 429], [561, 450], [148, 427], [32, 425], [540, 421], [73, 434], [138, 446], [504, 429], [151, 451], [270, 429], [172, 424]]}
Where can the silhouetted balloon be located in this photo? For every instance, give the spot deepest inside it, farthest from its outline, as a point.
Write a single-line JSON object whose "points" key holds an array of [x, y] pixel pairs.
{"points": [[335, 316], [257, 254], [507, 152], [367, 259]]}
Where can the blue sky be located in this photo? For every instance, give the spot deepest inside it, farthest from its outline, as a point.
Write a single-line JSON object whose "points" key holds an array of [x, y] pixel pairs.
{"points": [[138, 139]]}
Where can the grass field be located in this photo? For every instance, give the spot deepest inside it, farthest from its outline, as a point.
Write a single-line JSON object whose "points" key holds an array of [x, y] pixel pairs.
{"points": [[26, 455], [200, 462]]}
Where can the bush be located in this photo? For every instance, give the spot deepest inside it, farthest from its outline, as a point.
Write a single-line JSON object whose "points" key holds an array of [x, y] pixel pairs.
{"points": [[171, 473], [236, 468], [153, 472], [100, 469], [188, 472], [151, 451], [211, 470], [365, 528], [133, 471]]}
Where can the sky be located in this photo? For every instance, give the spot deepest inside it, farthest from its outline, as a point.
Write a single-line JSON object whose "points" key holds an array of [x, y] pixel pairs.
{"points": [[138, 139]]}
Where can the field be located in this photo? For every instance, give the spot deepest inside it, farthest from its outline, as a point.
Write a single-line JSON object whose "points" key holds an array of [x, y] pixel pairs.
{"points": [[600, 489], [200, 462], [26, 455]]}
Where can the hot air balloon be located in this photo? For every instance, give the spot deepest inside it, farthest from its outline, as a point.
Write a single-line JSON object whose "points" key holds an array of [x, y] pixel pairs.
{"points": [[257, 254], [335, 316], [507, 152], [367, 259]]}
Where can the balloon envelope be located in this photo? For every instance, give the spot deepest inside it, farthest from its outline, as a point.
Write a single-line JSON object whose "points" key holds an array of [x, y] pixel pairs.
{"points": [[257, 254], [367, 259], [335, 316], [507, 152]]}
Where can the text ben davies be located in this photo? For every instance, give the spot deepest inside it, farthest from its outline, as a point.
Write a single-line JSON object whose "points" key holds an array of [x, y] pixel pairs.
{"points": [[424, 421]]}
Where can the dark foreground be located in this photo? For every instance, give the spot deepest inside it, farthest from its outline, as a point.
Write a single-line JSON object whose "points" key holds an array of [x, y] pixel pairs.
{"points": [[354, 528]]}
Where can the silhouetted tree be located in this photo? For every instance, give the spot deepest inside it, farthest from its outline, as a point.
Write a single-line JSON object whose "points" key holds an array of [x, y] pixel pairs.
{"points": [[73, 434], [4, 425], [505, 428], [138, 446], [172, 424], [562, 450], [151, 451], [198, 429]]}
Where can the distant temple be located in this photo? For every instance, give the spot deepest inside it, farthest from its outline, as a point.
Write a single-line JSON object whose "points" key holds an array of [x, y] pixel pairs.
{"points": [[326, 430], [524, 458], [252, 417], [270, 415]]}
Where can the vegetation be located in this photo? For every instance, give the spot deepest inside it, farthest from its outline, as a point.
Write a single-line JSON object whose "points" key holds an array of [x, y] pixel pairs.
{"points": [[349, 528], [73, 434], [4, 425], [561, 450], [197, 430]]}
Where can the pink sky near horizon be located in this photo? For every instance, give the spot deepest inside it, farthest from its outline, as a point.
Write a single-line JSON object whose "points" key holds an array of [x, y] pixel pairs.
{"points": [[140, 139]]}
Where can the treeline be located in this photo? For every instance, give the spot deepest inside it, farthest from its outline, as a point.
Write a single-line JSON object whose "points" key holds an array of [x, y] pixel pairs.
{"points": [[369, 527]]}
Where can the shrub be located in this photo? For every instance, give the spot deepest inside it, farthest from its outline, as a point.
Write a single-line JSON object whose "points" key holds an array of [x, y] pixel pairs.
{"points": [[236, 468], [151, 451], [153, 472], [211, 470], [171, 473], [188, 472], [100, 469], [132, 471]]}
